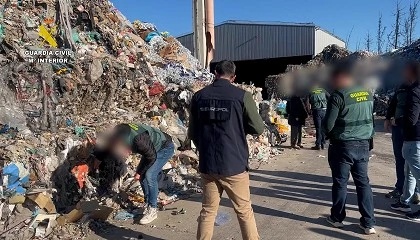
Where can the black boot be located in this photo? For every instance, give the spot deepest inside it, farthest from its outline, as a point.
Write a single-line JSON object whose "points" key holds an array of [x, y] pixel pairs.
{"points": [[316, 148]]}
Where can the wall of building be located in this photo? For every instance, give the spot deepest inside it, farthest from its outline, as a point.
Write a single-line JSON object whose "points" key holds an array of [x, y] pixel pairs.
{"points": [[239, 42], [323, 39]]}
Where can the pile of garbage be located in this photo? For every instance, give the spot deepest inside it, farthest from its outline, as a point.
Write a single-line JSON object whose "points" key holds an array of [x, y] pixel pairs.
{"points": [[410, 52], [70, 71], [329, 55]]}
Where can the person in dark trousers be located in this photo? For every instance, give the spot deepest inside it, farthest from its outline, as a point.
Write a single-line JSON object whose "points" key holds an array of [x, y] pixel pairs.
{"points": [[221, 117], [156, 148], [348, 125], [394, 123], [317, 103], [411, 145], [297, 114]]}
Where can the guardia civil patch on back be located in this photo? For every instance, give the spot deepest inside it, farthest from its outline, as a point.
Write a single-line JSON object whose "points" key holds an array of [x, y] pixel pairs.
{"points": [[360, 96]]}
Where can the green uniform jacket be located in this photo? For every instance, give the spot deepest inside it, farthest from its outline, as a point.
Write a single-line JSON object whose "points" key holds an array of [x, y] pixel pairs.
{"points": [[349, 115], [318, 98]]}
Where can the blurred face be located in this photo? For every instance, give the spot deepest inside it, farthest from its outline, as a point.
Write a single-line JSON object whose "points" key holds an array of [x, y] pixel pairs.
{"points": [[342, 80], [120, 149], [409, 76]]}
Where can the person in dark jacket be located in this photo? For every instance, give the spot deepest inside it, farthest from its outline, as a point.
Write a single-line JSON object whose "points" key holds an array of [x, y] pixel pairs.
{"points": [[156, 149], [394, 123], [297, 114], [411, 145], [221, 117]]}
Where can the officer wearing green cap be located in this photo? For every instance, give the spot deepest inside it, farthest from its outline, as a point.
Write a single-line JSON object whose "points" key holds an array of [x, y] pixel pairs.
{"points": [[349, 126]]}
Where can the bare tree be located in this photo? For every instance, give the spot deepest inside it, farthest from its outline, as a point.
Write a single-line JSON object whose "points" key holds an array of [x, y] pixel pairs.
{"points": [[412, 19], [406, 31], [390, 43], [349, 36], [380, 34], [410, 23], [358, 45], [396, 33], [368, 43]]}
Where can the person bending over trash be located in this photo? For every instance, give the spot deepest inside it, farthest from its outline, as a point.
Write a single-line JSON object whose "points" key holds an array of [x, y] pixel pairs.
{"points": [[156, 148]]}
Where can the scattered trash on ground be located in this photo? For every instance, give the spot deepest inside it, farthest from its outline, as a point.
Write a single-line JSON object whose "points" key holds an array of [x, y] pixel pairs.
{"points": [[182, 211], [221, 219]]}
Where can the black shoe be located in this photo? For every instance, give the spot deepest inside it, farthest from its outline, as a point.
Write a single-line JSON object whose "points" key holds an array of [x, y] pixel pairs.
{"points": [[414, 216], [316, 148], [416, 198], [322, 147], [334, 223], [295, 147], [399, 206], [393, 194]]}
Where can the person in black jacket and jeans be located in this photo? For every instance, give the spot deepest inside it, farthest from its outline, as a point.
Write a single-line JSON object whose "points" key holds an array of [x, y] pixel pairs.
{"points": [[297, 114], [156, 148], [411, 146], [394, 124], [221, 117]]}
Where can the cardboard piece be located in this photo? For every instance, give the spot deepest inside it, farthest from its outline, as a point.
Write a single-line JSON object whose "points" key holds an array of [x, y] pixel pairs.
{"points": [[95, 210], [71, 217], [17, 199], [43, 200], [43, 224]]}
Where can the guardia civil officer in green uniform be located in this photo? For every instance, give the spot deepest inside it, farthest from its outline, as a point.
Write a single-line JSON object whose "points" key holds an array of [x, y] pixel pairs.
{"points": [[317, 103], [349, 126], [156, 148]]}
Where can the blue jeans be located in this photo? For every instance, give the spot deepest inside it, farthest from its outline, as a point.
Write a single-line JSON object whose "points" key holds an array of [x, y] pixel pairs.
{"points": [[149, 180], [397, 144], [345, 158], [318, 116], [411, 153]]}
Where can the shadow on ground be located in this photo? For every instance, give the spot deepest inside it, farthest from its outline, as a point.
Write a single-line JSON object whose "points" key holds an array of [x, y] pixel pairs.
{"points": [[109, 231], [315, 190]]}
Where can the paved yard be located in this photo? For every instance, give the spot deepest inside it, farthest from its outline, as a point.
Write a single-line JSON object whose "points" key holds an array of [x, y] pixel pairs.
{"points": [[291, 199]]}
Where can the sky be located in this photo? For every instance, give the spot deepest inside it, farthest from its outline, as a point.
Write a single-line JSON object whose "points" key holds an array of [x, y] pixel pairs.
{"points": [[337, 16]]}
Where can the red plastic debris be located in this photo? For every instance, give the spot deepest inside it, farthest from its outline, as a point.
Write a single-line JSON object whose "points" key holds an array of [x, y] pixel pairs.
{"points": [[80, 172], [156, 89]]}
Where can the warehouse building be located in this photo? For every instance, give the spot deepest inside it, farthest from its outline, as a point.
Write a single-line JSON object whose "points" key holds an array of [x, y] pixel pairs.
{"points": [[260, 49]]}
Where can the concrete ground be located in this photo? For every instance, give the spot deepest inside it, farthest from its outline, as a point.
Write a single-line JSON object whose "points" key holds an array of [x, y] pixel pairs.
{"points": [[291, 199]]}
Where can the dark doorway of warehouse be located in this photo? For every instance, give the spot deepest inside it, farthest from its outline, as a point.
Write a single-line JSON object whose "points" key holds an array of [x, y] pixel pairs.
{"points": [[256, 71]]}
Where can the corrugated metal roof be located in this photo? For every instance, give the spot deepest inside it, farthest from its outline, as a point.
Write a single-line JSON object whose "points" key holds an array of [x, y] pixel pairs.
{"points": [[268, 23]]}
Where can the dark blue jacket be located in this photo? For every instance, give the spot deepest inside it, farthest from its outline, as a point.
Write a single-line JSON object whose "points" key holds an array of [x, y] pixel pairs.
{"points": [[411, 116], [221, 116]]}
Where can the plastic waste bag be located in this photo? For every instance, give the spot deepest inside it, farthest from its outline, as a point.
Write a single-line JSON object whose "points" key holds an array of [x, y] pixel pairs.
{"points": [[151, 35], [10, 111], [16, 175], [95, 70]]}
